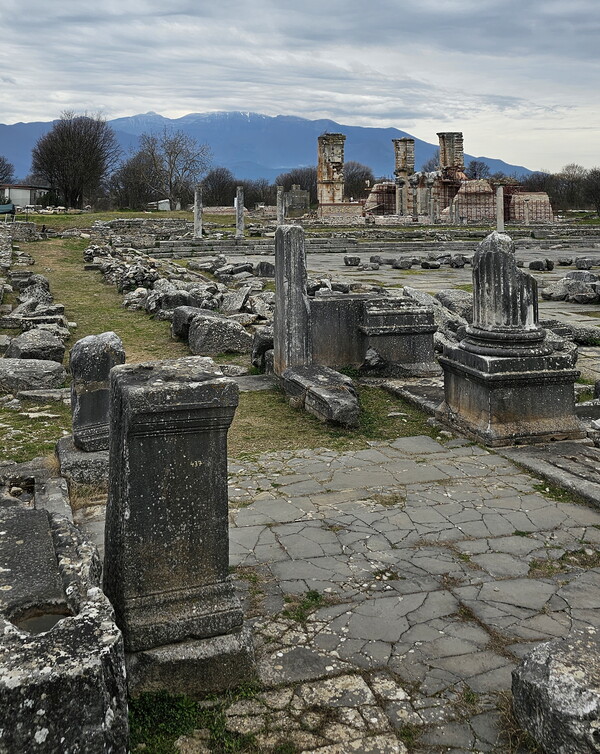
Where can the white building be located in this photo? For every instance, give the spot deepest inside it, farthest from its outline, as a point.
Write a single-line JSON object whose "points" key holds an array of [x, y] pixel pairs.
{"points": [[22, 195]]}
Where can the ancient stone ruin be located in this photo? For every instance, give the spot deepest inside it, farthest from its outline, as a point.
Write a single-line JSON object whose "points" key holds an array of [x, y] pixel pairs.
{"points": [[166, 542], [505, 381]]}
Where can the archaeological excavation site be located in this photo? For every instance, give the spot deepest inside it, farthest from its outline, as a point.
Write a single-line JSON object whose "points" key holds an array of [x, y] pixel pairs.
{"points": [[288, 479]]}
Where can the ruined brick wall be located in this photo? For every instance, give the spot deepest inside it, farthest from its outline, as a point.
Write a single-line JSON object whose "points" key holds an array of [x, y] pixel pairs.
{"points": [[343, 210], [532, 206], [330, 169], [404, 153], [475, 202]]}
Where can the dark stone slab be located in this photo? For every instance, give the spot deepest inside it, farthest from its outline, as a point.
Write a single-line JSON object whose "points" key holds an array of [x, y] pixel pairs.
{"points": [[91, 360], [84, 467], [30, 374], [328, 395]]}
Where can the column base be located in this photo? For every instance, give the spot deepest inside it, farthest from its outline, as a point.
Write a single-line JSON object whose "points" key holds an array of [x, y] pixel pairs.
{"points": [[195, 668], [509, 401]]}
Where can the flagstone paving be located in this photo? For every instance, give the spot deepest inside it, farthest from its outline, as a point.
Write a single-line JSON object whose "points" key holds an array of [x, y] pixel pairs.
{"points": [[390, 591]]}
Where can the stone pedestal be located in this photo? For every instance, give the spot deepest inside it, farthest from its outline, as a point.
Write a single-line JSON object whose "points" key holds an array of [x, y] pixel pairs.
{"points": [[399, 338], [90, 361], [167, 562], [504, 382]]}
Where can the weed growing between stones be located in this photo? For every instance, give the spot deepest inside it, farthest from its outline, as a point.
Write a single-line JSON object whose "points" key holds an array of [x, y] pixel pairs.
{"points": [[514, 738], [559, 494], [584, 559], [409, 734], [158, 719], [299, 606], [84, 495]]}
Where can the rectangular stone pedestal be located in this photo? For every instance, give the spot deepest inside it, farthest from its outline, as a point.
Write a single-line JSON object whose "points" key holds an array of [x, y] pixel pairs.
{"points": [[166, 569], [510, 400]]}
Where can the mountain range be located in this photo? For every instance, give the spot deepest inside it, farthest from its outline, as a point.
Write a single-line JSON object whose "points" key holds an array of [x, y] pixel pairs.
{"points": [[249, 144]]}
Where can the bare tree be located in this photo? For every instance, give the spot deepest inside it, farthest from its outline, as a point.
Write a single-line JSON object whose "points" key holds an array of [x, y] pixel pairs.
{"points": [[75, 156], [176, 163], [591, 188], [305, 177], [128, 186], [477, 169], [358, 180], [218, 188], [433, 163], [7, 171]]}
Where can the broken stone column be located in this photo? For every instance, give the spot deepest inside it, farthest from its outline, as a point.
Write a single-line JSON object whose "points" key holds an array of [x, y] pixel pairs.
{"points": [[239, 213], [291, 324], [90, 361], [414, 185], [166, 563], [198, 212], [505, 382], [500, 209], [280, 206]]}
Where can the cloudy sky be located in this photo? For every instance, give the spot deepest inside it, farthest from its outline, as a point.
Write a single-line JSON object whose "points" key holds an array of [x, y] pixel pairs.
{"points": [[520, 78]]}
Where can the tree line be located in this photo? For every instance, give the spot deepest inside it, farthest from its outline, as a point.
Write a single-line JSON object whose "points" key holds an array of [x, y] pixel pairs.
{"points": [[82, 163]]}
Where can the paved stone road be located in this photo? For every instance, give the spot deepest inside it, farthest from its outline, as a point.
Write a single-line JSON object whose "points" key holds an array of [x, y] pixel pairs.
{"points": [[433, 568]]}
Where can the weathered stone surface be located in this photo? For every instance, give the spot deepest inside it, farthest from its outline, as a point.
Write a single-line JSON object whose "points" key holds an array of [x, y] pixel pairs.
{"points": [[36, 344], [292, 324], [506, 382], [167, 564], [328, 395], [457, 301], [261, 343], [264, 269], [30, 374], [582, 275], [84, 467], [351, 261], [209, 336], [91, 360], [61, 689], [556, 693], [584, 263], [183, 316], [234, 301]]}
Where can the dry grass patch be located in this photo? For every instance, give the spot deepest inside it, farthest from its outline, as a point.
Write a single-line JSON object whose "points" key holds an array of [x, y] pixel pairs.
{"points": [[85, 495]]}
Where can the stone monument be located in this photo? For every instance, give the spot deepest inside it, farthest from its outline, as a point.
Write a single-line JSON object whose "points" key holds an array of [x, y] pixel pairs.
{"points": [[504, 382], [90, 361], [167, 563]]}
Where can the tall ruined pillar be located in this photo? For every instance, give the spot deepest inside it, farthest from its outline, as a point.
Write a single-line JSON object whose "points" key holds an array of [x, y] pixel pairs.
{"points": [[280, 206], [198, 212], [504, 382], [239, 213], [330, 169], [404, 153], [500, 209], [166, 570], [291, 324], [452, 155]]}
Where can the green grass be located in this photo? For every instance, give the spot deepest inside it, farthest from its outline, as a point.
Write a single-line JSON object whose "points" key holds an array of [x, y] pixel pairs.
{"points": [[157, 720], [96, 306], [299, 607], [559, 494], [264, 422], [24, 437]]}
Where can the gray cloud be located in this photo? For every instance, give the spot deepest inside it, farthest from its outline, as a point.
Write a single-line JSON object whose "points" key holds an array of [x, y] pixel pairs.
{"points": [[492, 68]]}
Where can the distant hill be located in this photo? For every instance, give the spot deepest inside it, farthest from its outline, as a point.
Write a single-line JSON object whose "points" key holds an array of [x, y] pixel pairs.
{"points": [[249, 144]]}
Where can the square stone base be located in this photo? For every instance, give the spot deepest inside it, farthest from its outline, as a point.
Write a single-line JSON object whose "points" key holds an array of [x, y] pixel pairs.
{"points": [[80, 466], [508, 401], [195, 668]]}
